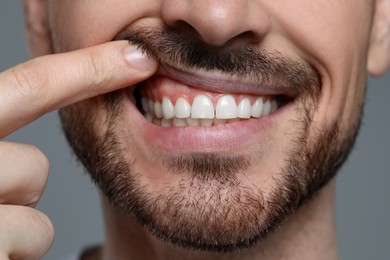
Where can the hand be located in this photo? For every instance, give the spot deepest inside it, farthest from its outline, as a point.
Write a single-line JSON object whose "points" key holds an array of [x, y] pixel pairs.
{"points": [[30, 90]]}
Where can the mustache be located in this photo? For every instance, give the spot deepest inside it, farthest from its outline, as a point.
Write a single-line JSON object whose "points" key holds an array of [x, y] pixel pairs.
{"points": [[178, 49]]}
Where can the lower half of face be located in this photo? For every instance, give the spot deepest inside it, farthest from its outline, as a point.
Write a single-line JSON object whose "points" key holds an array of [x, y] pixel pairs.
{"points": [[204, 182], [222, 144]]}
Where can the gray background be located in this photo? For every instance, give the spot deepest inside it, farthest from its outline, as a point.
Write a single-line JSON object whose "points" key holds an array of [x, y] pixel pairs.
{"points": [[71, 201]]}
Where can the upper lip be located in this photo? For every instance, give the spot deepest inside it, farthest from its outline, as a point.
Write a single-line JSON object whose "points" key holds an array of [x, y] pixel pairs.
{"points": [[222, 82]]}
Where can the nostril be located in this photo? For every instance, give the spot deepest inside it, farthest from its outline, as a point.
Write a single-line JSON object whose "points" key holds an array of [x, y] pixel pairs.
{"points": [[183, 25], [190, 31], [186, 28], [243, 39]]}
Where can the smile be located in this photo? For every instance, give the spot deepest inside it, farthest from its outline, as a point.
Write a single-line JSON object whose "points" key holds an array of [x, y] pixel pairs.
{"points": [[183, 112], [169, 102], [205, 109]]}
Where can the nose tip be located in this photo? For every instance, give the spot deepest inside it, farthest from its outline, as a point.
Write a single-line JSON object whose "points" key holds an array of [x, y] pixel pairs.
{"points": [[218, 22]]}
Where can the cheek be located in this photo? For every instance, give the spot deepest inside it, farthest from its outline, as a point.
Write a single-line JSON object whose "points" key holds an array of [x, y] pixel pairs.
{"points": [[333, 36], [84, 23]]}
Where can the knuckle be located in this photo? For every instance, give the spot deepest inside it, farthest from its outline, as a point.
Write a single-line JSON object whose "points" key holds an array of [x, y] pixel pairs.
{"points": [[38, 181], [20, 224], [44, 222], [97, 69], [33, 198], [25, 175], [30, 81], [41, 159], [41, 222]]}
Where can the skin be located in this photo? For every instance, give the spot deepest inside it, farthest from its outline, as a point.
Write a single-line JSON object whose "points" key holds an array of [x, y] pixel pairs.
{"points": [[308, 32]]}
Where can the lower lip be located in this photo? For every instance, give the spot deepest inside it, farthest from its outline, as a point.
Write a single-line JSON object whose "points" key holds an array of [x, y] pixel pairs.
{"points": [[222, 138]]}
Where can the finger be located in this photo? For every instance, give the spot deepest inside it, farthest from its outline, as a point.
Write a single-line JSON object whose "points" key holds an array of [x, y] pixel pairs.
{"points": [[23, 174], [43, 84], [25, 233]]}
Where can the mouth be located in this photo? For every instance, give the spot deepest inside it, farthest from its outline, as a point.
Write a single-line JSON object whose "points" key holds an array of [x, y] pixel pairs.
{"points": [[178, 112], [175, 98]]}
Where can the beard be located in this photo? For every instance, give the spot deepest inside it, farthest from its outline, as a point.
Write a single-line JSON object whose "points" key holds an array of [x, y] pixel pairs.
{"points": [[210, 208]]}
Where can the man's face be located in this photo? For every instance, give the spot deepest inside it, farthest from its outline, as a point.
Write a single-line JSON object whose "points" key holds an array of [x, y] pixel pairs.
{"points": [[295, 68]]}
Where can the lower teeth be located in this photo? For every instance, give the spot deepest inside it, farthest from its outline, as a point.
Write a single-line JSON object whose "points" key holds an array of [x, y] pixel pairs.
{"points": [[181, 122]]}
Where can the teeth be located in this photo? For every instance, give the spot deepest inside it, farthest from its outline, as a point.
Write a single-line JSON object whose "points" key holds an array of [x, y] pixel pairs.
{"points": [[149, 117], [274, 106], [233, 120], [157, 109], [266, 108], [219, 121], [206, 122], [202, 113], [168, 110], [145, 104], [151, 106], [257, 108], [156, 121], [202, 107], [166, 122], [182, 108], [226, 108], [244, 109], [179, 122], [193, 121]]}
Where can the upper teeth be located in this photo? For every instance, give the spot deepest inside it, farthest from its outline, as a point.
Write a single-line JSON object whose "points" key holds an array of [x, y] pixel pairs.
{"points": [[202, 111]]}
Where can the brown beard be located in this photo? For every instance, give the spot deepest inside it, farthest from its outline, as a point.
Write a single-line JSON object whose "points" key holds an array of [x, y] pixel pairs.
{"points": [[209, 208]]}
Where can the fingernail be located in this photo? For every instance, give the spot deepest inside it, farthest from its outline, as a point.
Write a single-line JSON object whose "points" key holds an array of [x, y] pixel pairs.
{"points": [[137, 58]]}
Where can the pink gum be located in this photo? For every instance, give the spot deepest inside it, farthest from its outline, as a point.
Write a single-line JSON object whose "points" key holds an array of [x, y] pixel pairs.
{"points": [[158, 87]]}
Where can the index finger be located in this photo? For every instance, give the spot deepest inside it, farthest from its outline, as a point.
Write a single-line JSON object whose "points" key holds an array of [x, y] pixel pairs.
{"points": [[41, 85]]}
